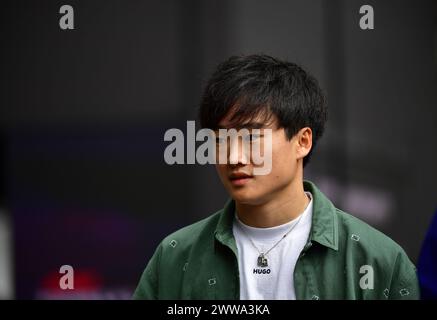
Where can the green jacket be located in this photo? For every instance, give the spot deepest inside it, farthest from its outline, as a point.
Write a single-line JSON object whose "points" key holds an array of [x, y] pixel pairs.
{"points": [[338, 262]]}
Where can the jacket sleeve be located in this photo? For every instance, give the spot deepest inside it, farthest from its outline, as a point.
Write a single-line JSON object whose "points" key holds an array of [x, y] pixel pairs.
{"points": [[404, 284], [147, 288]]}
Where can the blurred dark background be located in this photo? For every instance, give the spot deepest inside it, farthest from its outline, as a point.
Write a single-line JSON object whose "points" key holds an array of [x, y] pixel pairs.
{"points": [[84, 112]]}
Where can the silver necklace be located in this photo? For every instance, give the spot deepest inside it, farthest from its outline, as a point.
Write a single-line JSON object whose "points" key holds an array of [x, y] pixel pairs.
{"points": [[262, 259]]}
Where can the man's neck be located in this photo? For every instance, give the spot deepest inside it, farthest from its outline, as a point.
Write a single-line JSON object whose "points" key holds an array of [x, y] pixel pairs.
{"points": [[283, 208]]}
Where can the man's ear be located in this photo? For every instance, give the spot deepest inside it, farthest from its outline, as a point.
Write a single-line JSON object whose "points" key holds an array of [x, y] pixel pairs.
{"points": [[304, 139]]}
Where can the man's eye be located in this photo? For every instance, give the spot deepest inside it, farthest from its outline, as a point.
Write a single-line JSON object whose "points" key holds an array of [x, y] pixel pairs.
{"points": [[219, 140], [252, 137]]}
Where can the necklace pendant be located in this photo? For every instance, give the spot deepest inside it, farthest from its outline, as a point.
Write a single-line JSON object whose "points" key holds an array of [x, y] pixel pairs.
{"points": [[262, 261]]}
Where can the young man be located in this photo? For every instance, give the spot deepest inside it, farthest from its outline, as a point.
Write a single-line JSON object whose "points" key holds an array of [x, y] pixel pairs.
{"points": [[278, 237]]}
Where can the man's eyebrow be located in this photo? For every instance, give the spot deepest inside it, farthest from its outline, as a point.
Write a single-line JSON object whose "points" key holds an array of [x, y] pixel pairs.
{"points": [[249, 125]]}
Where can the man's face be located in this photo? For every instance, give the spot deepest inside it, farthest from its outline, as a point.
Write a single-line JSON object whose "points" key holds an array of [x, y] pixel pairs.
{"points": [[239, 179]]}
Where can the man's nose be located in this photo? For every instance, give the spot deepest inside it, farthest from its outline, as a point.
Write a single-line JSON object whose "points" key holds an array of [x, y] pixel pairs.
{"points": [[238, 152]]}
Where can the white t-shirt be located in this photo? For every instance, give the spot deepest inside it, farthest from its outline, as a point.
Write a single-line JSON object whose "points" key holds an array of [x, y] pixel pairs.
{"points": [[276, 281]]}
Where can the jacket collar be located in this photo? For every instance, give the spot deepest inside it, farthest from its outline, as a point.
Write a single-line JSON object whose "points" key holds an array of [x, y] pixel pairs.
{"points": [[324, 227]]}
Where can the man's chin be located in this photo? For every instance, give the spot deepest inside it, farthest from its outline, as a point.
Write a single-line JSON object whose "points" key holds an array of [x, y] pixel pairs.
{"points": [[245, 197]]}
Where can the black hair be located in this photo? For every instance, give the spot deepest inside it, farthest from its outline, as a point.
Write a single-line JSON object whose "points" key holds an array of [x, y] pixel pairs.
{"points": [[254, 85]]}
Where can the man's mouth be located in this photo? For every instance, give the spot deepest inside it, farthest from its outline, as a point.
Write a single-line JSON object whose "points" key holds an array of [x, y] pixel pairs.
{"points": [[240, 178]]}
